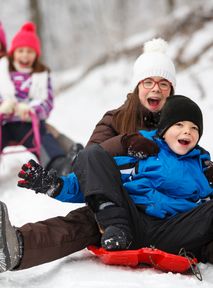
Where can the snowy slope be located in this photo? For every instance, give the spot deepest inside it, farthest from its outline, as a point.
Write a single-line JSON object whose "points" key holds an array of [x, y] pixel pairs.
{"points": [[75, 114]]}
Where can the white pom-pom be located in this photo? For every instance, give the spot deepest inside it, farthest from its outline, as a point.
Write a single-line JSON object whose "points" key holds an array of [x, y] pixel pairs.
{"points": [[156, 45]]}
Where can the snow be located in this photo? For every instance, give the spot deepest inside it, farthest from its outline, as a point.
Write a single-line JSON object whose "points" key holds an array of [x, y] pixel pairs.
{"points": [[76, 113]]}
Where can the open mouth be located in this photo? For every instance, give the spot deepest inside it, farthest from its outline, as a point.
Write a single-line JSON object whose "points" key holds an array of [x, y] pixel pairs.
{"points": [[153, 102], [184, 142], [24, 63]]}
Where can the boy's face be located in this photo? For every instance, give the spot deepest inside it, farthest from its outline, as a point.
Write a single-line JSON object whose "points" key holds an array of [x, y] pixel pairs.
{"points": [[154, 98], [182, 137], [24, 57]]}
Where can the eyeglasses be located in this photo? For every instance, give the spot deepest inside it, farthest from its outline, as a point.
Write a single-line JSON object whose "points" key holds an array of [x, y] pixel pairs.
{"points": [[149, 83]]}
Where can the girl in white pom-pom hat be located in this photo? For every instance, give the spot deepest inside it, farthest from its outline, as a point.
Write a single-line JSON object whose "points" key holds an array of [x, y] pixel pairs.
{"points": [[153, 81]]}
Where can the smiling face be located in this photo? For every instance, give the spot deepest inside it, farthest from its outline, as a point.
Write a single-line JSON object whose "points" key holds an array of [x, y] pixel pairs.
{"points": [[24, 57], [153, 98], [182, 137]]}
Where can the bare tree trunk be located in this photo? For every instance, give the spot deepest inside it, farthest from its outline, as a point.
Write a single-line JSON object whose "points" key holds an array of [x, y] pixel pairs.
{"points": [[170, 6], [35, 15]]}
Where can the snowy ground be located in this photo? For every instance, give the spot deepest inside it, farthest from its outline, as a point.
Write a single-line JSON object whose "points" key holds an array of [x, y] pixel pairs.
{"points": [[76, 113]]}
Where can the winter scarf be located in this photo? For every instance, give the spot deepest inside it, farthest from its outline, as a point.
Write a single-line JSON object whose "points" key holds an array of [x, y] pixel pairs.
{"points": [[38, 89]]}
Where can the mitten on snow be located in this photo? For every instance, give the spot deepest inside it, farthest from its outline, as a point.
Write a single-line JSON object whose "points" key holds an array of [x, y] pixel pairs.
{"points": [[209, 172], [40, 180], [7, 107], [22, 110], [138, 146]]}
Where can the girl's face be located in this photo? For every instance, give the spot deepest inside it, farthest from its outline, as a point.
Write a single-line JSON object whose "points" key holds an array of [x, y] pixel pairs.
{"points": [[24, 57], [153, 94], [182, 137]]}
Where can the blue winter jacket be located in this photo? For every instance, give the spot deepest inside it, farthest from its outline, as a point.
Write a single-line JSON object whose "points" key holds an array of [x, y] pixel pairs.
{"points": [[166, 184]]}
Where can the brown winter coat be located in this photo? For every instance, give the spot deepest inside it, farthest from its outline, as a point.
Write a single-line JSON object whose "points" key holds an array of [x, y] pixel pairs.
{"points": [[109, 138]]}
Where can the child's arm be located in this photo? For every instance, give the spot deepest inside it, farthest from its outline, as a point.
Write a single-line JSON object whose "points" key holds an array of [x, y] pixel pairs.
{"points": [[35, 177]]}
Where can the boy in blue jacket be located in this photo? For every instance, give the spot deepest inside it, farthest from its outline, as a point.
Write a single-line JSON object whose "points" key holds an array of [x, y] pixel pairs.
{"points": [[155, 200]]}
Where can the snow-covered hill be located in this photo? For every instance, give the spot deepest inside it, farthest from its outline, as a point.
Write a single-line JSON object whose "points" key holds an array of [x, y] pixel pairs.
{"points": [[76, 112]]}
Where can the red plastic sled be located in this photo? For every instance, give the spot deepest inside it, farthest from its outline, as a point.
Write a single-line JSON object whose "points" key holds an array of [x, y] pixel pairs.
{"points": [[151, 256]]}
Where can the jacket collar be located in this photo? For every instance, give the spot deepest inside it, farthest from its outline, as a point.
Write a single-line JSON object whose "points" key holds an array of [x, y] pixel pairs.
{"points": [[193, 153], [150, 119]]}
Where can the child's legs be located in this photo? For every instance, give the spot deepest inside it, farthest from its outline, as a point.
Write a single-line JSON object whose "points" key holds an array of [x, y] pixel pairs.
{"points": [[99, 176], [50, 148], [6, 136], [19, 130], [15, 132], [54, 238], [191, 230]]}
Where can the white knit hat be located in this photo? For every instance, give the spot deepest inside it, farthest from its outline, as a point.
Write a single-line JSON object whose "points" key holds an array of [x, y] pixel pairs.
{"points": [[154, 63]]}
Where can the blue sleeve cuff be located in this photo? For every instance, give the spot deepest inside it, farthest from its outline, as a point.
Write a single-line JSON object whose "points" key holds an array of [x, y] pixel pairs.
{"points": [[71, 190]]}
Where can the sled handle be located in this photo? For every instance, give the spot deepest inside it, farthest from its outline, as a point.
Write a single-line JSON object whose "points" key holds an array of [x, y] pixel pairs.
{"points": [[192, 263]]}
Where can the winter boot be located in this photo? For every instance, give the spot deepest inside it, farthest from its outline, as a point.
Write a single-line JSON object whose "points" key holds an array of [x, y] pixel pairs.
{"points": [[73, 152], [63, 164], [112, 221], [68, 162], [116, 238], [9, 242]]}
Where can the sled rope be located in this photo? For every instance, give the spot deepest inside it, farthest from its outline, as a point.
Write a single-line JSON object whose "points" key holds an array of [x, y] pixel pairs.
{"points": [[193, 266]]}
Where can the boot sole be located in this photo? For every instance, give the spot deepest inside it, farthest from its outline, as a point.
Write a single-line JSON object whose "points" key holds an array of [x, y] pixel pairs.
{"points": [[9, 247], [4, 252]]}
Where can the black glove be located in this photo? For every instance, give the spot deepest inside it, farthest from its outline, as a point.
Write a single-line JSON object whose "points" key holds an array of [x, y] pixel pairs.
{"points": [[209, 172], [138, 146], [40, 180]]}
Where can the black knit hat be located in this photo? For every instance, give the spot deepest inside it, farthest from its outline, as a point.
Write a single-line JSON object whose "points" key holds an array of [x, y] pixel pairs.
{"points": [[179, 108]]}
